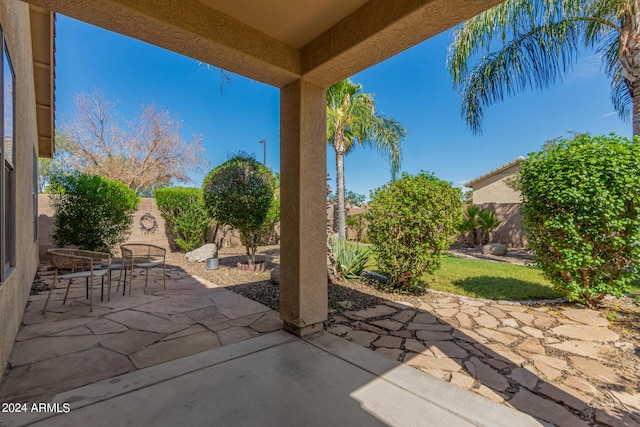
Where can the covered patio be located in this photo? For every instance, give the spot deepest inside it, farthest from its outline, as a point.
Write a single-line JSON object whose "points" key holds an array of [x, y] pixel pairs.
{"points": [[248, 372], [301, 48]]}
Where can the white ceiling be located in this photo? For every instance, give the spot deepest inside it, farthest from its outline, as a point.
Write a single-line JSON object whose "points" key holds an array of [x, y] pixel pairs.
{"points": [[295, 22]]}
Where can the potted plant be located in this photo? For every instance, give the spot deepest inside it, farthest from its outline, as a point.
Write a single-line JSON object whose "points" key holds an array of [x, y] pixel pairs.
{"points": [[212, 263]]}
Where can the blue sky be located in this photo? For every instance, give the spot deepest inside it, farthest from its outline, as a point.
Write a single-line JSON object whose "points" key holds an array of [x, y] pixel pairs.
{"points": [[413, 87]]}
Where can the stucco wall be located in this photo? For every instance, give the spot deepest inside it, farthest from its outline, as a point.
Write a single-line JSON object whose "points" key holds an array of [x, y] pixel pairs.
{"points": [[139, 234], [494, 189], [14, 291], [510, 231], [139, 230]]}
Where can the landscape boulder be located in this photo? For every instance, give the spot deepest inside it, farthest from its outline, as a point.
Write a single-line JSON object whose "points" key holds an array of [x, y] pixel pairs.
{"points": [[202, 253], [494, 249]]}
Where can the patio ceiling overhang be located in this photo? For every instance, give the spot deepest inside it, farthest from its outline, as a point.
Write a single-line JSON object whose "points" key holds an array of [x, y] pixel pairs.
{"points": [[278, 41], [42, 23]]}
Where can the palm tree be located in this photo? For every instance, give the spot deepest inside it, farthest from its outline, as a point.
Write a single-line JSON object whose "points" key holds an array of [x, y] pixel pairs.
{"points": [[351, 121], [540, 41], [470, 224], [487, 221]]}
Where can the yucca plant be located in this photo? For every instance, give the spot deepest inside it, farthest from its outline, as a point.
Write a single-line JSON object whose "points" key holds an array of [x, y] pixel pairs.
{"points": [[351, 258]]}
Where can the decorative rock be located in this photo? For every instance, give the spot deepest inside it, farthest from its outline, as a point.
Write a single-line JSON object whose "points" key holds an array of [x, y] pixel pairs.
{"points": [[546, 370], [275, 275], [202, 253], [495, 249]]}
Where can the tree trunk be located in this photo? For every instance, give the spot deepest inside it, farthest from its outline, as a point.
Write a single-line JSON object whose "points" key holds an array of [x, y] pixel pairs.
{"points": [[342, 228], [635, 99]]}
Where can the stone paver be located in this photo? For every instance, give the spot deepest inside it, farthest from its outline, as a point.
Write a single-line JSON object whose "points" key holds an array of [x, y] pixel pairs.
{"points": [[585, 333], [513, 354], [70, 346], [588, 317], [545, 409], [485, 375], [174, 349]]}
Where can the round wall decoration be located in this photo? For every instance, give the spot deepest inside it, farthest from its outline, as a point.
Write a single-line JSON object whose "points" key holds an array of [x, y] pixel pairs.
{"points": [[148, 223]]}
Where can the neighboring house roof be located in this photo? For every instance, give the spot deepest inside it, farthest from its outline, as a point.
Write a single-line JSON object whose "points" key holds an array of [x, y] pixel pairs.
{"points": [[497, 170]]}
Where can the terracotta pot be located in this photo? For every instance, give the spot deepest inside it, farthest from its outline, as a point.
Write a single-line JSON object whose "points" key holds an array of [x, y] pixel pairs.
{"points": [[258, 266]]}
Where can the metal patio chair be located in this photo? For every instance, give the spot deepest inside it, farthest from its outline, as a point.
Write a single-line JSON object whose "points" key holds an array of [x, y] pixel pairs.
{"points": [[142, 255]]}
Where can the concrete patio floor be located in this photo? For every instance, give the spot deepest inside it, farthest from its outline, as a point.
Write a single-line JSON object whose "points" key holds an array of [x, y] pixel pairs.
{"points": [[277, 380]]}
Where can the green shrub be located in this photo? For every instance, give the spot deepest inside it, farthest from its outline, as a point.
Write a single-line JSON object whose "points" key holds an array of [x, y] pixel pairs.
{"points": [[411, 221], [351, 258], [239, 193], [581, 208], [184, 213], [91, 212]]}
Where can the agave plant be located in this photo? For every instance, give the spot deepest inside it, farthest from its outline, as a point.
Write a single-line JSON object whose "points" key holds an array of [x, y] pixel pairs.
{"points": [[351, 258]]}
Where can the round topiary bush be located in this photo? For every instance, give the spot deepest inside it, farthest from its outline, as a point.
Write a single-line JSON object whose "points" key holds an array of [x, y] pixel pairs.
{"points": [[239, 193], [581, 209], [411, 222]]}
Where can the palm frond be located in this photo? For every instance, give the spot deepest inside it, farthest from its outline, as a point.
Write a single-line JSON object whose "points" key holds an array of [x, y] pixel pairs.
{"points": [[536, 59], [620, 96]]}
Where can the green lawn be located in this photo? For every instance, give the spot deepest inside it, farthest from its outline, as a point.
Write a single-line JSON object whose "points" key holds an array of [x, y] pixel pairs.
{"points": [[490, 280]]}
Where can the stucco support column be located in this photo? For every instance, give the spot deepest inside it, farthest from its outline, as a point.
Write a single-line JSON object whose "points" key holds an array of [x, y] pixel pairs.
{"points": [[303, 214]]}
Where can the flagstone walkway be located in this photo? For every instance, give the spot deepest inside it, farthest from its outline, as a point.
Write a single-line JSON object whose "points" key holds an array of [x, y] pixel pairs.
{"points": [[559, 365], [70, 347]]}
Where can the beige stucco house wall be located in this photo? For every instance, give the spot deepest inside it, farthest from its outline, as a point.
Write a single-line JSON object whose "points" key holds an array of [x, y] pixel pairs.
{"points": [[492, 186], [15, 283], [492, 191]]}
